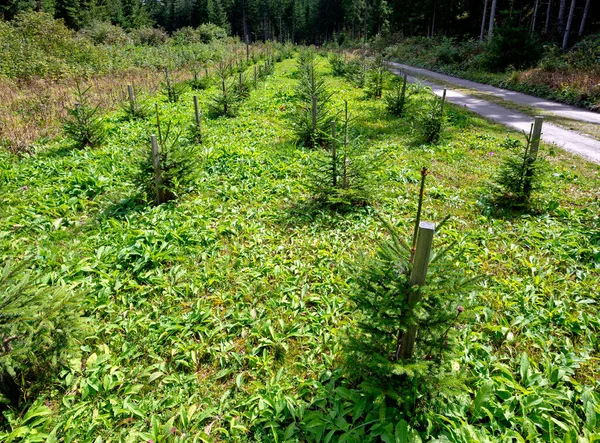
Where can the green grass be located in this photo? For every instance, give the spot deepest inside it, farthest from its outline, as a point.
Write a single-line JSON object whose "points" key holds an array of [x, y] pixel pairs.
{"points": [[222, 316]]}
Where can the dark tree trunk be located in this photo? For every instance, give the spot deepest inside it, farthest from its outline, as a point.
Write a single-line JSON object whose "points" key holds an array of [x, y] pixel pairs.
{"points": [[535, 12], [492, 17], [548, 10], [485, 6], [584, 17], [569, 23], [561, 17]]}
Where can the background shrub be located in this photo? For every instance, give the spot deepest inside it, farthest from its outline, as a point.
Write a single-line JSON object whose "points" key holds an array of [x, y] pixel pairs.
{"points": [[149, 36], [511, 45], [105, 33]]}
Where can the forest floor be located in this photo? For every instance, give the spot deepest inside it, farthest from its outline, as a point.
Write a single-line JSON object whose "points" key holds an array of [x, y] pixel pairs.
{"points": [[224, 315], [573, 129]]}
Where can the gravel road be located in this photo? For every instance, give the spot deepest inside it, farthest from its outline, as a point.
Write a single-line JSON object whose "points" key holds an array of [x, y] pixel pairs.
{"points": [[569, 140]]}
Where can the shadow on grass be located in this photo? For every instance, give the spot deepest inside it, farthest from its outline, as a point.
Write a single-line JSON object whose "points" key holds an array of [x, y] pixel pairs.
{"points": [[501, 207], [120, 209], [321, 213]]}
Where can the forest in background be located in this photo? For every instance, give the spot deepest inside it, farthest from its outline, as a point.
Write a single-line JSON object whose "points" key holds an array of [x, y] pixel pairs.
{"points": [[318, 21]]}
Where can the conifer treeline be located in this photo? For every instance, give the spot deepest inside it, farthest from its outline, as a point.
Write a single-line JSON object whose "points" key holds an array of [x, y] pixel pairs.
{"points": [[317, 21]]}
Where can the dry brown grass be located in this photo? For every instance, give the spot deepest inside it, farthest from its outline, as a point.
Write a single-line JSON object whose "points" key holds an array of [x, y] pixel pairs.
{"points": [[35, 109], [586, 84]]}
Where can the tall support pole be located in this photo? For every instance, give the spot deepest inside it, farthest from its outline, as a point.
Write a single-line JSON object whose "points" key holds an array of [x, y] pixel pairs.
{"points": [[534, 145], [333, 154], [131, 98], [418, 277], [157, 171], [197, 114]]}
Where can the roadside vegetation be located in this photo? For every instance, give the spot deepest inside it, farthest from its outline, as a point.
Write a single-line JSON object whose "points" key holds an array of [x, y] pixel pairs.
{"points": [[513, 60], [246, 308], [45, 63]]}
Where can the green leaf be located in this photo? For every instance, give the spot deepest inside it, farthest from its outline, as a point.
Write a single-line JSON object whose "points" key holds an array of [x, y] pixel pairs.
{"points": [[482, 397]]}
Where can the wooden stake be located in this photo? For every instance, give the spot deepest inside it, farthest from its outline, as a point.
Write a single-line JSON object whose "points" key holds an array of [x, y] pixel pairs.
{"points": [[419, 209], [535, 137], [345, 160], [314, 102], [418, 277], [158, 124], [534, 145], [333, 154], [157, 172], [131, 97], [314, 113], [443, 102], [405, 78], [169, 90], [197, 113]]}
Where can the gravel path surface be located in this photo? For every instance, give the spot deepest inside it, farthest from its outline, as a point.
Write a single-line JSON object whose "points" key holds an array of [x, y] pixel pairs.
{"points": [[569, 140]]}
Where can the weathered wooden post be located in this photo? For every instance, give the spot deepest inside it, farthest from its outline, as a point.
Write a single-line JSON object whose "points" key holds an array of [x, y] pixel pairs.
{"points": [[197, 114], [158, 123], [535, 137], [333, 154], [403, 101], [313, 101], [314, 113], [424, 172], [241, 79], [345, 159], [157, 172], [418, 277], [443, 102], [168, 81], [534, 146], [131, 98]]}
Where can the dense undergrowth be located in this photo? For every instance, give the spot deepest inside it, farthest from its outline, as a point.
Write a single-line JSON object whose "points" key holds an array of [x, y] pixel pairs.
{"points": [[222, 316], [513, 61], [44, 62]]}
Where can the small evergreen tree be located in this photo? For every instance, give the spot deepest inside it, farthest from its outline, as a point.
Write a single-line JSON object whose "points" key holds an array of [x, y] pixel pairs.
{"points": [[39, 329], [84, 125], [519, 175], [173, 90], [312, 119], [338, 64], [199, 81], [430, 119], [178, 162], [381, 297], [375, 77], [242, 87], [341, 175], [396, 100], [225, 102]]}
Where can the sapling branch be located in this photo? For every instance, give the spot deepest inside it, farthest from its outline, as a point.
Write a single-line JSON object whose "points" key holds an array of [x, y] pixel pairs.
{"points": [[424, 173]]}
